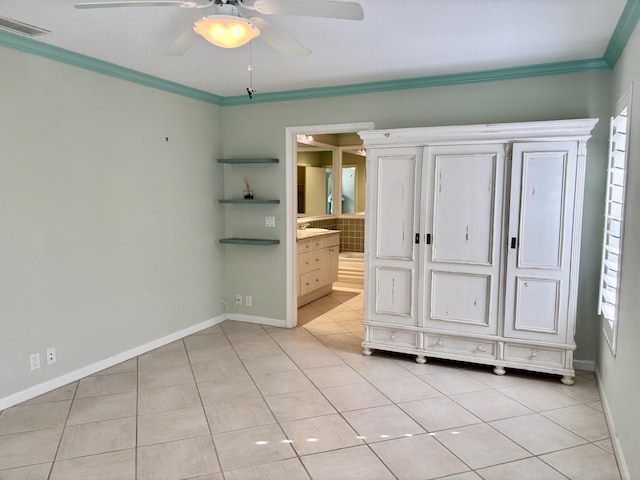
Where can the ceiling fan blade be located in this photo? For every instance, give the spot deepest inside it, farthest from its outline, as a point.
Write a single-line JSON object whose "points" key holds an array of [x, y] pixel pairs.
{"points": [[142, 3], [183, 43], [279, 39], [317, 8]]}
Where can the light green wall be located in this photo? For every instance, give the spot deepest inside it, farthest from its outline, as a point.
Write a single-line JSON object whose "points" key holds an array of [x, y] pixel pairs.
{"points": [[107, 229], [619, 375], [259, 129]]}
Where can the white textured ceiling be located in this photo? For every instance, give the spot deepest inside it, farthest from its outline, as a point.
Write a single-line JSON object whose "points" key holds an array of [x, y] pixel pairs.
{"points": [[398, 39]]}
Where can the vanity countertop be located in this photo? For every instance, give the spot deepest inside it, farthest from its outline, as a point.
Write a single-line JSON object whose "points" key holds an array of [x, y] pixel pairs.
{"points": [[314, 232]]}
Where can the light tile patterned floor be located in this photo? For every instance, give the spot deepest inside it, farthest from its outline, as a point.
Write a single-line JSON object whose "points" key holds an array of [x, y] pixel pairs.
{"points": [[241, 401]]}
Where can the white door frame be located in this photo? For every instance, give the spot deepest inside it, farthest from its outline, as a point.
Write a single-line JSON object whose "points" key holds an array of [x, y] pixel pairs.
{"points": [[291, 175]]}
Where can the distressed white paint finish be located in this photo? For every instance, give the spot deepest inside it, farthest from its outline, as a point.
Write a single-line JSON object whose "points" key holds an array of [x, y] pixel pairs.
{"points": [[462, 209], [543, 180], [479, 299]]}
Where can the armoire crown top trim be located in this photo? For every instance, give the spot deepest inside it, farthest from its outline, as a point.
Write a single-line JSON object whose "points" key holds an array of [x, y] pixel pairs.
{"points": [[556, 130]]}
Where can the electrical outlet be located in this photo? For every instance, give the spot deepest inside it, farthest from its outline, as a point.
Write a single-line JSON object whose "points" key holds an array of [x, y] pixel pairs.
{"points": [[248, 301], [270, 222], [238, 300], [34, 361], [51, 356]]}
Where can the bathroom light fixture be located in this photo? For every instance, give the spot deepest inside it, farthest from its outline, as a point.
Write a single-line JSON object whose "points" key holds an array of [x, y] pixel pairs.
{"points": [[226, 31]]}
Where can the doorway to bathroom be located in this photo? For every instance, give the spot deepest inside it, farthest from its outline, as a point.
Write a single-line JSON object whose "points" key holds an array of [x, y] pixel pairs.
{"points": [[326, 185]]}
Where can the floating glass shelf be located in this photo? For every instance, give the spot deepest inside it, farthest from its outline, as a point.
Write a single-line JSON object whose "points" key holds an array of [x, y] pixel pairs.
{"points": [[249, 241], [247, 160], [247, 200]]}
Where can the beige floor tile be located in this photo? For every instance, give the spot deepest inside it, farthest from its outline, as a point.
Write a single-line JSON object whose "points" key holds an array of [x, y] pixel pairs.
{"points": [[537, 434], [463, 476], [173, 425], [338, 342], [307, 343], [376, 368], [586, 462], [182, 459], [316, 358], [130, 365], [290, 469], [296, 405], [213, 329], [160, 360], [320, 434], [221, 369], [242, 336], [29, 448], [31, 472], [63, 393], [452, 383], [333, 375], [582, 420], [240, 414], [262, 348], [406, 389], [164, 399], [584, 390], [104, 407], [538, 397], [107, 384], [324, 327], [355, 396], [40, 416], [282, 334], [212, 354], [439, 413], [485, 375], [107, 466], [175, 345], [206, 341], [490, 405], [346, 316], [481, 446], [269, 364], [252, 446], [97, 437], [606, 445], [416, 457], [597, 405], [229, 390], [527, 469], [307, 314], [433, 365], [355, 463], [282, 382], [166, 377], [382, 423]]}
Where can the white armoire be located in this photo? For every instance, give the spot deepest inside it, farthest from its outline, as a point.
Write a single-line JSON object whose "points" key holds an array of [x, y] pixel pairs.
{"points": [[473, 240]]}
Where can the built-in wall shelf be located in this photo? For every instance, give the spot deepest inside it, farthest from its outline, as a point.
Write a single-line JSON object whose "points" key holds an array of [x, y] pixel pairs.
{"points": [[248, 200], [238, 161], [249, 241]]}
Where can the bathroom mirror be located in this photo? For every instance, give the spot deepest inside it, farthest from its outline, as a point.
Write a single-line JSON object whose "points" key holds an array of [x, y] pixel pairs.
{"points": [[317, 160]]}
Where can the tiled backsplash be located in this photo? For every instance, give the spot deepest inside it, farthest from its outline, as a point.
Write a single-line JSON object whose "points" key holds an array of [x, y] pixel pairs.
{"points": [[351, 231]]}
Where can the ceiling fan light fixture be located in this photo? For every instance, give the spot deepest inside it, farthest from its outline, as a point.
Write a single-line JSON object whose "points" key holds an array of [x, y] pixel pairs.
{"points": [[226, 31]]}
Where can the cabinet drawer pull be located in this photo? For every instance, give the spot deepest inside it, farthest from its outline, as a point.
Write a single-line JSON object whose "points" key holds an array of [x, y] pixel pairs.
{"points": [[439, 343], [392, 337], [480, 348], [534, 353]]}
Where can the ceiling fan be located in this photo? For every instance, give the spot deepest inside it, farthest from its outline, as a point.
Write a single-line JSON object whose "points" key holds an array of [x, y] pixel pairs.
{"points": [[233, 22]]}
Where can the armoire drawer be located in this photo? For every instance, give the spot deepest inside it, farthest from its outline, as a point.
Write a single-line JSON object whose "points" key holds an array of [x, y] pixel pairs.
{"points": [[393, 337], [534, 355], [478, 348], [310, 281], [309, 261]]}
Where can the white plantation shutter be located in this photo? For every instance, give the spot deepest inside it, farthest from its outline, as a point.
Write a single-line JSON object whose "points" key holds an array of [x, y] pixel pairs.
{"points": [[613, 220]]}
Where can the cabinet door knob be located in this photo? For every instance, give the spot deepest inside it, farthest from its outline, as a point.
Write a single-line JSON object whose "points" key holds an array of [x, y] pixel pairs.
{"points": [[439, 343], [392, 337], [480, 348], [534, 353]]}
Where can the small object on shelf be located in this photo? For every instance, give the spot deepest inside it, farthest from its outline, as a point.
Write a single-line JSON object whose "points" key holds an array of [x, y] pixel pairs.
{"points": [[248, 193], [249, 241], [252, 200]]}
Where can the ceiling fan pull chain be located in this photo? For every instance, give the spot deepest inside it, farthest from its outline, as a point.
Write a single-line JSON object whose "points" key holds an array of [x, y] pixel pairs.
{"points": [[250, 89]]}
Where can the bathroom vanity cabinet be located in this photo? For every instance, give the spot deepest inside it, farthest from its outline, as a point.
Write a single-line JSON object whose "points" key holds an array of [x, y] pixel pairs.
{"points": [[473, 240], [317, 263]]}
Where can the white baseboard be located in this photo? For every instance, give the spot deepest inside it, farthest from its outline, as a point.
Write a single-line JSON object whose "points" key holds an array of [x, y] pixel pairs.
{"points": [[586, 365], [57, 382], [273, 322], [617, 448]]}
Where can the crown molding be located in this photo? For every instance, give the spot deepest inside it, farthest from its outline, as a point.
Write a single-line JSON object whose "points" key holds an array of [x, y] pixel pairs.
{"points": [[574, 66], [625, 27], [33, 47]]}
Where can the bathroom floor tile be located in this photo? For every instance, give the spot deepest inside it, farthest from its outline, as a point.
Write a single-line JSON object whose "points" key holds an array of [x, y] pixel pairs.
{"points": [[182, 459], [439, 413], [162, 359], [269, 364], [165, 377], [490, 405], [224, 417], [119, 465], [162, 427], [130, 365], [229, 390], [586, 462], [40, 416], [527, 469], [29, 448], [320, 434], [582, 420], [451, 383], [381, 423], [63, 393], [107, 384], [30, 472], [98, 437], [206, 341], [174, 397], [406, 389], [282, 382], [355, 396], [290, 469], [296, 405], [104, 407], [538, 397]]}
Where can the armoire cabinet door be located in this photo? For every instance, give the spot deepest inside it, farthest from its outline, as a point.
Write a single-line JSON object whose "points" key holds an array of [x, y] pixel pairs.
{"points": [[543, 177], [394, 176], [462, 208]]}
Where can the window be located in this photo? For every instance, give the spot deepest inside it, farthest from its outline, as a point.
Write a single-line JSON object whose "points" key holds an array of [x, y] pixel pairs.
{"points": [[613, 220]]}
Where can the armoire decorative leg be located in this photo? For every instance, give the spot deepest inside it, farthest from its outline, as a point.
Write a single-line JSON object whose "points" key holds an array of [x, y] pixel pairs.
{"points": [[567, 379], [421, 359], [366, 351], [499, 370]]}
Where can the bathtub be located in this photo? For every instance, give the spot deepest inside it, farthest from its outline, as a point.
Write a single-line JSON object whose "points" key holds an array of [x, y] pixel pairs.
{"points": [[351, 268], [352, 256]]}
